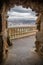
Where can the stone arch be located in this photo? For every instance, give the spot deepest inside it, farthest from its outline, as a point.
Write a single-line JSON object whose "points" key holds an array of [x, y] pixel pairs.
{"points": [[7, 4]]}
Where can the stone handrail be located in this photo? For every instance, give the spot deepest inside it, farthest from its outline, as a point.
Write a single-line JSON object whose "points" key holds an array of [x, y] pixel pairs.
{"points": [[15, 33]]}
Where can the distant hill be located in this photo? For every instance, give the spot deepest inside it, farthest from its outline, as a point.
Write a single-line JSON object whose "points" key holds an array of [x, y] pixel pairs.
{"points": [[22, 21]]}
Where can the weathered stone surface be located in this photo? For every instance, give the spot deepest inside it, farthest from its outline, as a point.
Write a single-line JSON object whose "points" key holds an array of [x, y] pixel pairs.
{"points": [[1, 48], [25, 3], [39, 36]]}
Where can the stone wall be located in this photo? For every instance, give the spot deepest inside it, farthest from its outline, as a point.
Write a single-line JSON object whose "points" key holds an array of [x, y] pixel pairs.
{"points": [[3, 40], [39, 35]]}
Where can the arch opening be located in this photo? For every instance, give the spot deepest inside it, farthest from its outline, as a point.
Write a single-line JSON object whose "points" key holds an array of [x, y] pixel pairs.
{"points": [[32, 4], [21, 17]]}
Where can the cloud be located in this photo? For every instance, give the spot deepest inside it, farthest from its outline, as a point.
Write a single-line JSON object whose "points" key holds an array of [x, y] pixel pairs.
{"points": [[20, 9], [18, 12]]}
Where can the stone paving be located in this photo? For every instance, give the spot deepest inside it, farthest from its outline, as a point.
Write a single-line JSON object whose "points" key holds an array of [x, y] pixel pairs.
{"points": [[22, 52]]}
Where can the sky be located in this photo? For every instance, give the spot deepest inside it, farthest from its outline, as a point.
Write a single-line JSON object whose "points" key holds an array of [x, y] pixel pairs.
{"points": [[20, 13]]}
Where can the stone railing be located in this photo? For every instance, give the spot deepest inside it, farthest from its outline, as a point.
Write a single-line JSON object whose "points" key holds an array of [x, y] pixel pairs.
{"points": [[18, 32]]}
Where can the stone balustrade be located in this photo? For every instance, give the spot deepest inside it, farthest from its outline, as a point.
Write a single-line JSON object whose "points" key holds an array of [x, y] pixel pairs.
{"points": [[18, 32]]}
